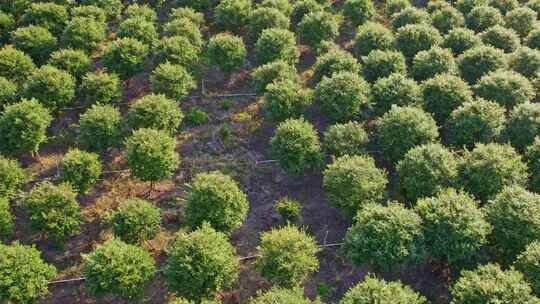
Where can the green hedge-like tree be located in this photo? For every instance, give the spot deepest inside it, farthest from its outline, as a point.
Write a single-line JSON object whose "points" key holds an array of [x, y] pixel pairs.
{"points": [[144, 11], [216, 199], [24, 276], [523, 125], [154, 112], [489, 168], [201, 263], [455, 228], [403, 128], [351, 182], [6, 220], [75, 62], [444, 93], [80, 169], [189, 13], [177, 50], [395, 6], [23, 127], [317, 27], [333, 61], [84, 33], [125, 57], [525, 61], [395, 89], [409, 15], [359, 11], [172, 80], [136, 221], [54, 210], [138, 28], [276, 44], [490, 284], [100, 128], [479, 61], [426, 170], [507, 88], [15, 65], [100, 88], [282, 296], [372, 36], [385, 236], [501, 38], [286, 99], [343, 96], [528, 263], [345, 139], [504, 5], [113, 8], [9, 93], [460, 40], [380, 64], [49, 15], [532, 156], [303, 7], [413, 38], [287, 256], [12, 177], [480, 18], [264, 18], [446, 19], [373, 290], [268, 73], [283, 6], [184, 27], [474, 122], [232, 15], [36, 41], [296, 146], [89, 11], [151, 155], [226, 51], [52, 87], [514, 214], [117, 268], [522, 20], [427, 64]]}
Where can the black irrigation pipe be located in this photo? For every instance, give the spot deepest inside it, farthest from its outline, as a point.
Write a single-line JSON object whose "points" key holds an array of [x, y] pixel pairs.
{"points": [[241, 259]]}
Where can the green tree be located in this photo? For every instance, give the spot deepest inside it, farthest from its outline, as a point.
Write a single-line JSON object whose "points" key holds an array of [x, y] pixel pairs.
{"points": [[317, 27], [125, 57], [226, 51], [232, 15], [447, 18], [100, 88], [395, 89], [172, 80], [532, 156], [525, 61], [332, 62], [35, 41], [460, 40], [276, 44], [281, 296], [373, 290], [138, 28], [444, 93], [80, 169], [48, 15], [345, 139], [99, 128], [52, 87], [286, 99], [154, 112], [136, 221], [413, 38], [522, 20], [380, 64], [500, 37], [177, 50], [528, 263], [483, 17], [523, 125], [15, 65], [75, 62], [409, 15], [372, 36], [12, 177], [507, 88], [359, 11], [479, 61], [6, 220], [429, 63], [84, 33], [268, 73], [263, 18]]}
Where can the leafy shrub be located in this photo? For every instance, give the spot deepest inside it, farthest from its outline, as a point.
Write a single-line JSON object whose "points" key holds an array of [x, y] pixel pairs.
{"points": [[343, 96], [395, 6], [501, 38], [185, 28], [188, 13], [12, 177], [264, 18], [395, 89], [533, 39], [172, 80], [288, 209], [490, 284], [287, 256], [113, 8], [80, 169], [7, 25], [523, 125], [481, 18], [460, 40], [489, 168], [301, 8], [23, 127], [54, 88], [427, 64], [527, 263], [15, 65], [359, 11], [138, 28], [379, 64], [226, 51], [444, 93], [345, 139], [372, 36], [525, 61], [373, 290], [6, 220], [504, 5], [532, 156], [24, 276], [195, 117], [232, 15], [282, 296], [276, 44], [8, 92], [36, 41], [177, 50], [48, 15], [446, 19], [296, 146], [75, 62], [118, 268], [201, 263], [474, 122], [100, 88], [89, 11], [317, 27], [409, 15], [154, 112], [99, 128], [425, 170], [286, 99], [403, 128], [479, 61], [522, 20], [413, 38], [283, 6], [507, 88], [268, 73], [144, 11], [54, 210], [125, 57], [84, 33], [351, 182], [384, 236], [334, 61], [215, 198], [136, 221]]}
